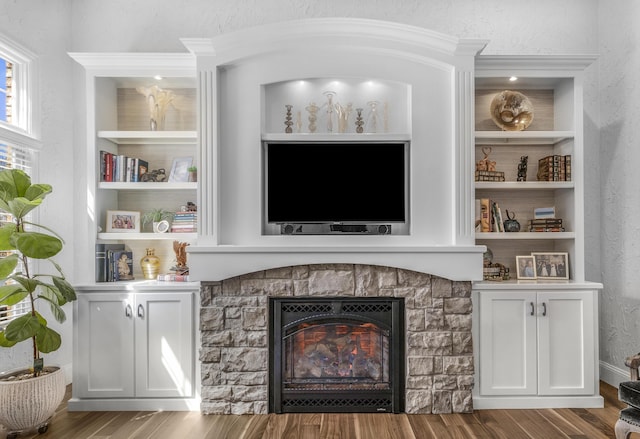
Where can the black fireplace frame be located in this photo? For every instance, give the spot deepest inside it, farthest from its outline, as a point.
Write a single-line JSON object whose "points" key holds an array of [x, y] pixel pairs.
{"points": [[385, 312]]}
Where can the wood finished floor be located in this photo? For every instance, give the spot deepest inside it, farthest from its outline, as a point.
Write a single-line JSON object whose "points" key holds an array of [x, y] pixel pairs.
{"points": [[512, 424]]}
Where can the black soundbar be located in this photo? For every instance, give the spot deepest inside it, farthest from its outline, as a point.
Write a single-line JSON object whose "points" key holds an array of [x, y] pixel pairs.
{"points": [[334, 229]]}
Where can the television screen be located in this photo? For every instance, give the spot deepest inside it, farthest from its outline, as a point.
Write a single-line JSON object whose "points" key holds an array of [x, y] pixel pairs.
{"points": [[336, 182]]}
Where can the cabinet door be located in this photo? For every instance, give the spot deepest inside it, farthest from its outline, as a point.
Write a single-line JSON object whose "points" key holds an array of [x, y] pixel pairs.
{"points": [[104, 349], [164, 345], [566, 357], [507, 343]]}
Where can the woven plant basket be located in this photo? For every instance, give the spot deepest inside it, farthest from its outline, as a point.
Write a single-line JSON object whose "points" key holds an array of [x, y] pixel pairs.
{"points": [[30, 403]]}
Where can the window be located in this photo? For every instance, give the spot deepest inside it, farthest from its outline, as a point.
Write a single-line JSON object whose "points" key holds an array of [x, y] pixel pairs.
{"points": [[18, 134]]}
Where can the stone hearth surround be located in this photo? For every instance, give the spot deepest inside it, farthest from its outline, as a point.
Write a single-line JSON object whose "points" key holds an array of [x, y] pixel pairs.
{"points": [[234, 333]]}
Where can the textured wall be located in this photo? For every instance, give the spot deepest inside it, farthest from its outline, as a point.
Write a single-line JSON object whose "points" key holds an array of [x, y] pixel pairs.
{"points": [[52, 27], [619, 162], [43, 28]]}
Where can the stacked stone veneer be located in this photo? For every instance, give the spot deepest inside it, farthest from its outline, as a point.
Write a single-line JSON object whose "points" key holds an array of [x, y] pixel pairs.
{"points": [[234, 333]]}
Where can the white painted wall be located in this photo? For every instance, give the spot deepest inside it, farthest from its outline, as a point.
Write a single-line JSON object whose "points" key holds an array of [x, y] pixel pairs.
{"points": [[618, 162], [609, 27], [43, 27]]}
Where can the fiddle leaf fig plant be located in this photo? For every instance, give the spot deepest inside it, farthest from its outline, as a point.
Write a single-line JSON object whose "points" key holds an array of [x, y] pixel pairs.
{"points": [[23, 242]]}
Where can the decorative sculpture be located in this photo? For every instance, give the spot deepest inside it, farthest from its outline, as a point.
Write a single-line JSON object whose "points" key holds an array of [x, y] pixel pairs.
{"points": [[511, 110], [522, 168], [179, 248]]}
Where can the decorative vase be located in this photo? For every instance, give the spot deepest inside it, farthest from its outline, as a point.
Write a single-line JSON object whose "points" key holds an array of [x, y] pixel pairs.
{"points": [[150, 265], [30, 403]]}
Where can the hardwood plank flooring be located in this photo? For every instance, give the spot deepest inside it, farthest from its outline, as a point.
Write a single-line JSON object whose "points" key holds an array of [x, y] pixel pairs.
{"points": [[511, 424]]}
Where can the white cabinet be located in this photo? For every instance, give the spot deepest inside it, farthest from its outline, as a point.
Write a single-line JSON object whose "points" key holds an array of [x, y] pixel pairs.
{"points": [[536, 348], [133, 347]]}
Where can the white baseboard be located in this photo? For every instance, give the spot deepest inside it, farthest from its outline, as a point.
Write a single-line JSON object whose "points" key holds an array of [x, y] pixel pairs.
{"points": [[613, 375]]}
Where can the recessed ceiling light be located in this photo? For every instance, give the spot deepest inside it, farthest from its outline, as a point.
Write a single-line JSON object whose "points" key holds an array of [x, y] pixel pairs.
{"points": [[158, 78], [513, 78]]}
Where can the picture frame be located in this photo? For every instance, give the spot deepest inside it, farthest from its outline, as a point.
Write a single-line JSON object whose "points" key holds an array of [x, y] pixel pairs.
{"points": [[526, 267], [180, 170], [123, 221], [551, 265]]}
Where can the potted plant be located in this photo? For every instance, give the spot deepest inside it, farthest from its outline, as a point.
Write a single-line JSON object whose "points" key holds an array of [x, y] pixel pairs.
{"points": [[156, 217], [193, 173], [29, 397]]}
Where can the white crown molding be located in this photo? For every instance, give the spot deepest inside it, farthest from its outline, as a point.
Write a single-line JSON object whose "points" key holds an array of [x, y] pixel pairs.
{"points": [[178, 64], [534, 62], [308, 34]]}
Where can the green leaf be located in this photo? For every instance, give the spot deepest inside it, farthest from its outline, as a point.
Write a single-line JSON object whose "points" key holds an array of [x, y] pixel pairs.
{"points": [[48, 340], [56, 309], [20, 206], [23, 328], [65, 288], [12, 294], [7, 265], [4, 342], [38, 191], [18, 180], [6, 232], [28, 284], [38, 245]]}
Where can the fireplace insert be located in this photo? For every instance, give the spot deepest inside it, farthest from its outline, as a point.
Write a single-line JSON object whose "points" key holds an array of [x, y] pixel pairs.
{"points": [[336, 355]]}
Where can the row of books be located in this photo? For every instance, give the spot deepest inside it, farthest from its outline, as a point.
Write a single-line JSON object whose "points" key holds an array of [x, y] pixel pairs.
{"points": [[490, 215], [184, 222], [489, 176], [113, 263], [120, 168], [554, 168]]}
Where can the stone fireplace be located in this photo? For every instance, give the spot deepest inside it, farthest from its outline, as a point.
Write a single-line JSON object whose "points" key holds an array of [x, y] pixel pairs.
{"points": [[246, 79], [234, 328]]}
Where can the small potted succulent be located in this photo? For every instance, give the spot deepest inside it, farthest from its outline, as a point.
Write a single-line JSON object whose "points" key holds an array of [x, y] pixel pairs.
{"points": [[30, 395], [193, 173]]}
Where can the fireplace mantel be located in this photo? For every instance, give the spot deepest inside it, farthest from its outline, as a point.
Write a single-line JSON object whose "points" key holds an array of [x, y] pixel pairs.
{"points": [[433, 111], [217, 263]]}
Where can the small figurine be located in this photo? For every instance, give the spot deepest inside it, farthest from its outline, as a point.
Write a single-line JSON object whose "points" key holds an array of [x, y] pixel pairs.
{"points": [[485, 164], [522, 168], [179, 248]]}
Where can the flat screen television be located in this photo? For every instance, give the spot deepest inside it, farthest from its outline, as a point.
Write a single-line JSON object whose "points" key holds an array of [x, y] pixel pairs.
{"points": [[359, 182]]}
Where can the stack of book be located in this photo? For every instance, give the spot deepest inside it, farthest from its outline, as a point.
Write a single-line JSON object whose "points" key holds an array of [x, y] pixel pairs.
{"points": [[489, 176], [184, 222], [120, 168], [113, 263], [546, 225], [554, 168]]}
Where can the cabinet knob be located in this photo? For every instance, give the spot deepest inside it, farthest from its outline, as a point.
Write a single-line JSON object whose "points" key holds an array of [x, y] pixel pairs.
{"points": [[544, 309], [533, 308], [128, 311], [140, 311]]}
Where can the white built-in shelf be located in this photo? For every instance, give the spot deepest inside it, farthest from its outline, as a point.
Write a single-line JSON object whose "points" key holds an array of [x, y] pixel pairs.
{"points": [[525, 235], [524, 185], [147, 185], [322, 137], [150, 137], [147, 236], [522, 137]]}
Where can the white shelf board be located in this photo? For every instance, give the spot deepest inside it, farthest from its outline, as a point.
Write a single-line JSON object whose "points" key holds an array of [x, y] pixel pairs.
{"points": [[524, 185], [147, 236], [150, 137], [524, 235], [323, 137], [522, 137], [147, 185]]}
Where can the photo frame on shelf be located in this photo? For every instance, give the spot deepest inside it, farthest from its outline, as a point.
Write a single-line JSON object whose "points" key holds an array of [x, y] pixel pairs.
{"points": [[526, 267], [123, 221], [551, 265], [180, 170]]}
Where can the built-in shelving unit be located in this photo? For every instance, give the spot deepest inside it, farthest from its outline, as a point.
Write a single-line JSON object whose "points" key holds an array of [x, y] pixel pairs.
{"points": [[535, 341], [118, 122]]}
